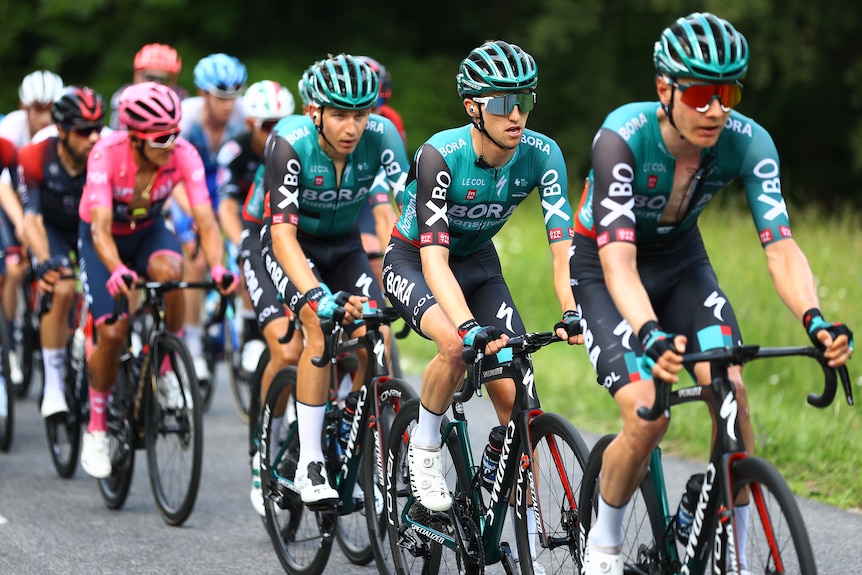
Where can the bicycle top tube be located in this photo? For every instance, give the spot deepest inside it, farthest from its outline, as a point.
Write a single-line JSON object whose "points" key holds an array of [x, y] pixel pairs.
{"points": [[521, 345], [373, 319], [720, 360]]}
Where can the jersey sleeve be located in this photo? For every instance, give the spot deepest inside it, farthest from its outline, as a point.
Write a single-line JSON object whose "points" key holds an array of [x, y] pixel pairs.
{"points": [[8, 163], [253, 208], [760, 173], [613, 164], [554, 191], [30, 165], [281, 179], [394, 165], [97, 189], [433, 180], [229, 159]]}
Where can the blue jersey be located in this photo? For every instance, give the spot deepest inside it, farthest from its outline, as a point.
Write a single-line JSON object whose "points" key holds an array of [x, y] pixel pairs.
{"points": [[456, 201], [632, 179], [301, 179]]}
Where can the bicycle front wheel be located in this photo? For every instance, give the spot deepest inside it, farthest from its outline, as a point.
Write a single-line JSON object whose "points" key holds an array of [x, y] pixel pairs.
{"points": [[7, 400], [642, 531], [121, 440], [777, 540], [64, 429], [302, 538], [546, 520], [174, 431]]}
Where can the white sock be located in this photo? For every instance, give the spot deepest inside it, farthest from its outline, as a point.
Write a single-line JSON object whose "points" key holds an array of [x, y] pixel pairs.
{"points": [[53, 360], [310, 419], [741, 526], [606, 534], [427, 432], [192, 338], [274, 444]]}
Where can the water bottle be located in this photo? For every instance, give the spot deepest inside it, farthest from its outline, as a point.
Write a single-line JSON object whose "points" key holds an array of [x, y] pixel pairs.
{"points": [[687, 505], [491, 456], [347, 417]]}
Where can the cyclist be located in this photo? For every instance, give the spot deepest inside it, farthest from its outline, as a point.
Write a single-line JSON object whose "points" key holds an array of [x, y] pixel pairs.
{"points": [[640, 268], [319, 173], [209, 120], [37, 92], [152, 63], [265, 103], [52, 178], [441, 270], [8, 183], [130, 175]]}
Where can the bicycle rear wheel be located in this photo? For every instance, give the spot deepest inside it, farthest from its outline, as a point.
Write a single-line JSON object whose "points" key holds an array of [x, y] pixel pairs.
{"points": [[392, 395], [64, 429], [550, 538], [254, 403], [642, 525], [777, 540], [26, 344], [174, 429], [7, 399], [302, 538]]}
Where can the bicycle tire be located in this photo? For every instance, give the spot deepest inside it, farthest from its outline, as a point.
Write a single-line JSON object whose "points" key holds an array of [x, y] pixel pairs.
{"points": [[27, 342], [293, 529], [254, 403], [174, 430], [7, 395], [206, 387], [560, 456], [411, 550], [121, 444], [392, 395], [642, 531], [64, 429], [775, 522]]}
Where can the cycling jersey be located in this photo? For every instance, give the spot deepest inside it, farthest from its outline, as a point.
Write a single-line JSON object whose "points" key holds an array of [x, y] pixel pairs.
{"points": [[46, 187], [632, 178], [111, 171], [237, 164], [302, 182], [15, 127], [453, 201], [8, 163], [192, 129]]}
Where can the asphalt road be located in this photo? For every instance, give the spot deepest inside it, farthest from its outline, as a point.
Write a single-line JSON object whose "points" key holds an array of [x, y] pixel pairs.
{"points": [[49, 525]]}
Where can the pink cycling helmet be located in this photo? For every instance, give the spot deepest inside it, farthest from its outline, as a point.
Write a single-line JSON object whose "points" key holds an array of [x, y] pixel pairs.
{"points": [[158, 57], [150, 107]]}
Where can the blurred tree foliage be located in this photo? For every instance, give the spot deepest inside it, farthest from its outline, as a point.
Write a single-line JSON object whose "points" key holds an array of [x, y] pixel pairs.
{"points": [[804, 83]]}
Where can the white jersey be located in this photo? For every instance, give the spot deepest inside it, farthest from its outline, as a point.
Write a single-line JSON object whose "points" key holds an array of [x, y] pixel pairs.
{"points": [[15, 128]]}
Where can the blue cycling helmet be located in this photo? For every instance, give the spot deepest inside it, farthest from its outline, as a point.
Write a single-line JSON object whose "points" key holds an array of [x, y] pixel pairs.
{"points": [[702, 46], [496, 67], [343, 82], [221, 75]]}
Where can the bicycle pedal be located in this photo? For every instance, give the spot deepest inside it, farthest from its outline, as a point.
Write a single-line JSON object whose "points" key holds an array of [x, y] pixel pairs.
{"points": [[325, 506]]}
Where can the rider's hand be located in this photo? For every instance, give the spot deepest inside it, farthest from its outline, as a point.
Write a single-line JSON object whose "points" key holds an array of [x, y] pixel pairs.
{"points": [[835, 339], [324, 303], [218, 273], [48, 272], [661, 351], [569, 328], [116, 284], [495, 338]]}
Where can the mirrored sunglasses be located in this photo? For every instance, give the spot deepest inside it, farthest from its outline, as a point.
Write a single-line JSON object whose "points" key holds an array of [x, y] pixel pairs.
{"points": [[700, 96], [159, 139], [503, 105]]}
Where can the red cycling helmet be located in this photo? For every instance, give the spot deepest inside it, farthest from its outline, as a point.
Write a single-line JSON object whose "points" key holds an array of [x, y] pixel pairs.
{"points": [[158, 57], [150, 107], [78, 106]]}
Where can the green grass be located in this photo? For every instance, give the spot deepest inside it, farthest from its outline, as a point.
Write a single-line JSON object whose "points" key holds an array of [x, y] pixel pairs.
{"points": [[817, 451]]}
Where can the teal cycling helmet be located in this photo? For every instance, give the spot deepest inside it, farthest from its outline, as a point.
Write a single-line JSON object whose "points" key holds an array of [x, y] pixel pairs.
{"points": [[496, 67], [221, 75], [343, 82], [304, 85], [702, 46]]}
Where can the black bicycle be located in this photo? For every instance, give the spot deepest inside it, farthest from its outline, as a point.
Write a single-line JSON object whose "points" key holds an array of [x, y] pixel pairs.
{"points": [[303, 536], [156, 405], [777, 540], [26, 344], [539, 473]]}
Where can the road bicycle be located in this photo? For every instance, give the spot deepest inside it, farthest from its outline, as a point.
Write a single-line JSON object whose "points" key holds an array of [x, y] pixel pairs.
{"points": [[777, 540], [303, 535], [156, 405], [63, 430], [7, 391], [26, 344], [539, 473]]}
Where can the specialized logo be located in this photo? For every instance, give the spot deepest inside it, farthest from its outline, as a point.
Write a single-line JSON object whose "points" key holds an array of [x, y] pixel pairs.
{"points": [[364, 284], [699, 516], [501, 471], [728, 412], [505, 312], [716, 302]]}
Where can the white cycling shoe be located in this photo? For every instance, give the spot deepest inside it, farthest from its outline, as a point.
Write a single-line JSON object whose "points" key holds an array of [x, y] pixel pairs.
{"points": [[427, 481], [600, 563], [96, 455]]}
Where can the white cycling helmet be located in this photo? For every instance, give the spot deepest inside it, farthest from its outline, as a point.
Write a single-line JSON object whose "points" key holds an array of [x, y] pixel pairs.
{"points": [[267, 100], [41, 86]]}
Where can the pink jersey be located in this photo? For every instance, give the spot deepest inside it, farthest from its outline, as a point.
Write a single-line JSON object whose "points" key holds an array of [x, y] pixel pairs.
{"points": [[111, 172]]}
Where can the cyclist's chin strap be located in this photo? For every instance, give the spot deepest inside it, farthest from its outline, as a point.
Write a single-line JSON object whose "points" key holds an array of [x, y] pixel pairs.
{"points": [[480, 125], [320, 128]]}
